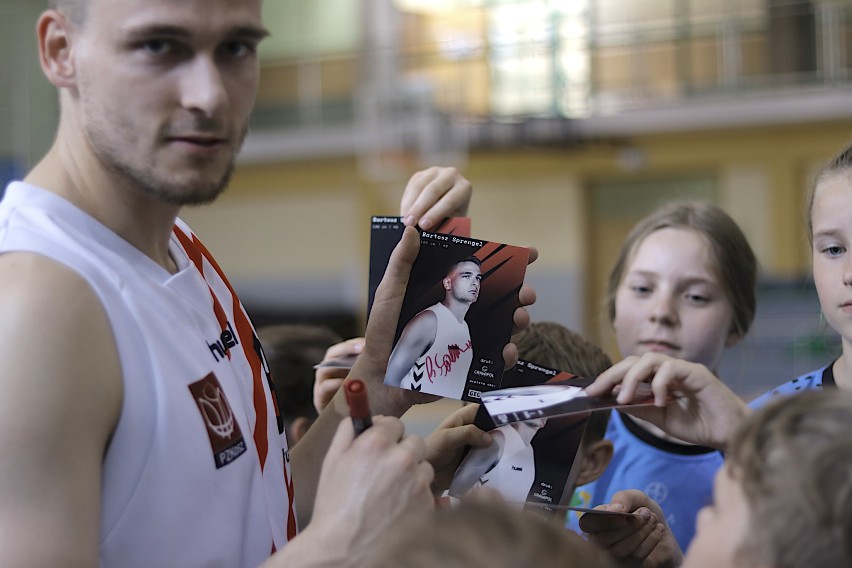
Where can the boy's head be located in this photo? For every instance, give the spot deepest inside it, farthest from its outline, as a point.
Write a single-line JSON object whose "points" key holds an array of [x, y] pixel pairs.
{"points": [[484, 533], [555, 346], [291, 352], [784, 498]]}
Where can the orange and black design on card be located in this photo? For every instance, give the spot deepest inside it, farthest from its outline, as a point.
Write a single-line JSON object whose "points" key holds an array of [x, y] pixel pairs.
{"points": [[489, 316]]}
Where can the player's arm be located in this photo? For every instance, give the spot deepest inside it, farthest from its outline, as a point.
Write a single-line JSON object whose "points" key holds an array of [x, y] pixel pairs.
{"points": [[307, 457], [61, 400], [416, 338], [371, 367], [367, 484]]}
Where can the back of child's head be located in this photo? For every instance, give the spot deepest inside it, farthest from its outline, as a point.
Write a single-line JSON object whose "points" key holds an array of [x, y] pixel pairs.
{"points": [[841, 164], [734, 262], [291, 351], [793, 459], [553, 345], [478, 533]]}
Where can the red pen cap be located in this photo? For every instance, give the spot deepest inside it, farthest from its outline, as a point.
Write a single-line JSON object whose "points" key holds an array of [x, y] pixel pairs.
{"points": [[359, 406]]}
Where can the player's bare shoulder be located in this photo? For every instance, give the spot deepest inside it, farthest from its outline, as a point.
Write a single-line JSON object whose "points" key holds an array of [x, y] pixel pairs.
{"points": [[425, 320], [420, 330], [62, 395], [55, 340]]}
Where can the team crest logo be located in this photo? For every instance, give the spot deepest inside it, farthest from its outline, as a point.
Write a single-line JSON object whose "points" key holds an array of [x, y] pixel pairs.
{"points": [[226, 439]]}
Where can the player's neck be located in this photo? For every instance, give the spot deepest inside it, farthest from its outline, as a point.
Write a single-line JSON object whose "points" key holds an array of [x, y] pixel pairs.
{"points": [[79, 178], [458, 309]]}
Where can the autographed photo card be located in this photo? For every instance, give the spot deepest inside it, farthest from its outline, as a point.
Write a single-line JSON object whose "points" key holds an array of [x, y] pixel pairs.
{"points": [[562, 396], [456, 316], [385, 232], [530, 462]]}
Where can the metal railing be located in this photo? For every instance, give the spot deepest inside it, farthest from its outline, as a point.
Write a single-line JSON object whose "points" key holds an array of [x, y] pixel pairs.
{"points": [[632, 65]]}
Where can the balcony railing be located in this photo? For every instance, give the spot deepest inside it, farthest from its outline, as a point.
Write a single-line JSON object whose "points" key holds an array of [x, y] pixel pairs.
{"points": [[572, 71]]}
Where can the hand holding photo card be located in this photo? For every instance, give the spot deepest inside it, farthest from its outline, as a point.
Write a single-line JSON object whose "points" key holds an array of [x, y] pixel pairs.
{"points": [[564, 396], [532, 463], [385, 232], [605, 512], [457, 316]]}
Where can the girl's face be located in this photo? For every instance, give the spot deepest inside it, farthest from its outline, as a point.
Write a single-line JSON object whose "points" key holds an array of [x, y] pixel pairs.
{"points": [[670, 300], [831, 218]]}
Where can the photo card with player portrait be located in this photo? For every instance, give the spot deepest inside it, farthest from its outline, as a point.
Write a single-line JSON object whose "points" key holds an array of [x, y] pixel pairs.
{"points": [[564, 395], [457, 316], [531, 463], [385, 233]]}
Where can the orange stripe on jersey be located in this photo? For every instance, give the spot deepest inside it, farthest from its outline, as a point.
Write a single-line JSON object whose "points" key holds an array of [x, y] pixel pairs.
{"points": [[291, 509], [195, 256], [197, 252]]}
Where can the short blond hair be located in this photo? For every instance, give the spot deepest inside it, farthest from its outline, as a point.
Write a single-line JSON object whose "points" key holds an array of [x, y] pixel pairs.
{"points": [[793, 459], [75, 10], [478, 533]]}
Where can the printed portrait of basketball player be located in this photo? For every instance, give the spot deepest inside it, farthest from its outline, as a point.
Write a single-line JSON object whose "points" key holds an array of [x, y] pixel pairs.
{"points": [[507, 465], [434, 351]]}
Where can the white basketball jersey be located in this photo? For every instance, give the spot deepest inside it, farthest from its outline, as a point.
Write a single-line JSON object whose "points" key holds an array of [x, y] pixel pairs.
{"points": [[443, 369], [197, 472], [514, 474]]}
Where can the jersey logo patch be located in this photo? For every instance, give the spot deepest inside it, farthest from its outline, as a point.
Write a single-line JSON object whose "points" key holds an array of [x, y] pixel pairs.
{"points": [[226, 439]]}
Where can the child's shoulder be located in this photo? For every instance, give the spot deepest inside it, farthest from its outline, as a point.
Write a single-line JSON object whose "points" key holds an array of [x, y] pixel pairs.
{"points": [[808, 381]]}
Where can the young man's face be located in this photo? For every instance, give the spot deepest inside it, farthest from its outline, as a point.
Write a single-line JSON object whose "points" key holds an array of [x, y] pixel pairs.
{"points": [[721, 527], [463, 282], [164, 90]]}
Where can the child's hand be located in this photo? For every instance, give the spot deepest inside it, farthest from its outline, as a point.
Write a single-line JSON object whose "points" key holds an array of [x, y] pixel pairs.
{"points": [[327, 380], [642, 541], [704, 410], [434, 194]]}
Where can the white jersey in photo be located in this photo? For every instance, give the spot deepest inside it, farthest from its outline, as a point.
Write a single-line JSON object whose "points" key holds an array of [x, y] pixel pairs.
{"points": [[514, 473], [442, 370]]}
